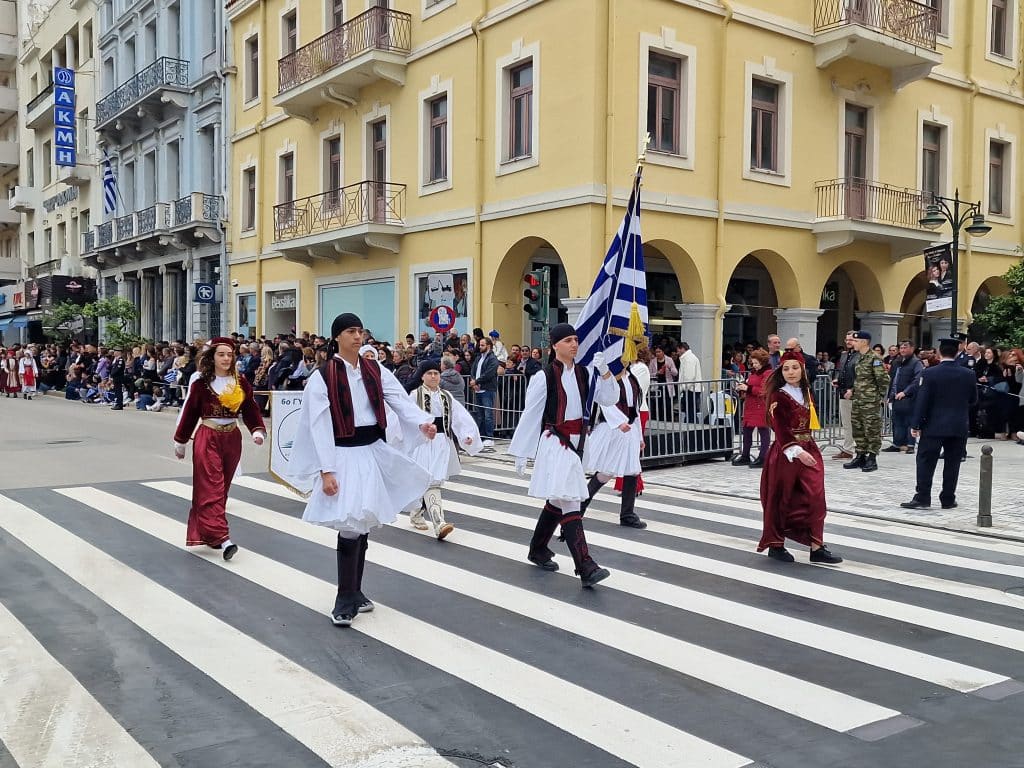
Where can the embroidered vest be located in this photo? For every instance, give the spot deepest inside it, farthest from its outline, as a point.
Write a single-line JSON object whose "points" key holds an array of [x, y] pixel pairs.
{"points": [[423, 400], [339, 394]]}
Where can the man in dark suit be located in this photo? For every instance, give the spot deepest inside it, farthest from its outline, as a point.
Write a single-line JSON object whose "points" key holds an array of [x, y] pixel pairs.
{"points": [[117, 379], [484, 383], [942, 406], [962, 358]]}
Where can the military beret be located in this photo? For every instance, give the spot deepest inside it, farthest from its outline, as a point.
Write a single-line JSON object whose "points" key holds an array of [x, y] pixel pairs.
{"points": [[959, 337], [862, 335]]}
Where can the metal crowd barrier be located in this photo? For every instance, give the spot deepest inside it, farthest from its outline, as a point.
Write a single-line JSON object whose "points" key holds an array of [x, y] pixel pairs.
{"points": [[509, 401]]}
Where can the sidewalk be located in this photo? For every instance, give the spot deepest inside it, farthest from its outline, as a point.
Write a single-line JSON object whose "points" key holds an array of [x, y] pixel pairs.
{"points": [[879, 494]]}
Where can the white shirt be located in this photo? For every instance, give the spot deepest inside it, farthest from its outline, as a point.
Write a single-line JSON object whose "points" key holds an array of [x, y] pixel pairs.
{"points": [[643, 377], [689, 367]]}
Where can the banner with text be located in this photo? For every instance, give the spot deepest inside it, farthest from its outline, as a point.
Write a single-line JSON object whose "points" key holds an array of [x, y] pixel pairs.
{"points": [[284, 410], [938, 274]]}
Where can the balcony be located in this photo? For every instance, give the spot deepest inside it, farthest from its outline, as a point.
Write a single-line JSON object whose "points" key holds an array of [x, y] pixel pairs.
{"points": [[24, 199], [39, 112], [852, 210], [898, 35], [333, 68], [9, 155], [45, 268], [164, 82], [8, 216], [77, 175], [349, 220], [196, 216]]}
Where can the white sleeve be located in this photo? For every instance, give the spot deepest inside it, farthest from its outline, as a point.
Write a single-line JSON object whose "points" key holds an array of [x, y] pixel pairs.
{"points": [[401, 402], [792, 452], [464, 425], [613, 415], [527, 435], [313, 451], [607, 391]]}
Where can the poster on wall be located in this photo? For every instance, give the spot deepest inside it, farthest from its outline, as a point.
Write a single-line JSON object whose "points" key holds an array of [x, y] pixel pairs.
{"points": [[284, 408], [443, 302], [938, 272]]}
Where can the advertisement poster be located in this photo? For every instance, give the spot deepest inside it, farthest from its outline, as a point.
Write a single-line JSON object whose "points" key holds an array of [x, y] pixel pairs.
{"points": [[443, 302], [938, 271], [284, 409]]}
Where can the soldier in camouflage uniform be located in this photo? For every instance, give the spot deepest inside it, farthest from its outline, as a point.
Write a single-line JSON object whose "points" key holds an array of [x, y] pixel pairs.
{"points": [[870, 385]]}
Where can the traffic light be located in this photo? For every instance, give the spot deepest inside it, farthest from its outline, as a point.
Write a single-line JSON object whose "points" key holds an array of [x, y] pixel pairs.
{"points": [[534, 283]]}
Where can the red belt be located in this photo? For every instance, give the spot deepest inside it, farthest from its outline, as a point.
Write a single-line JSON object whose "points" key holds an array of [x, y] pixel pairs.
{"points": [[571, 427]]}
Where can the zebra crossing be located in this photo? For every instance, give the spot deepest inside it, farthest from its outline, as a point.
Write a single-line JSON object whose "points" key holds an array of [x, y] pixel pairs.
{"points": [[122, 648]]}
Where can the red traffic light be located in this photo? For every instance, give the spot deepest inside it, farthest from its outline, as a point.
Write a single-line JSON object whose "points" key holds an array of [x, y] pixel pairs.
{"points": [[532, 280]]}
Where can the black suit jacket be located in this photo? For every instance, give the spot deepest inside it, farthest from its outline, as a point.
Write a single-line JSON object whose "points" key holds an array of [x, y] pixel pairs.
{"points": [[944, 398], [488, 380]]}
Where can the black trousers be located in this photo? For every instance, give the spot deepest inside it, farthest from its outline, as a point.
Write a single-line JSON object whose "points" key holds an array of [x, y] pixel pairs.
{"points": [[928, 449], [117, 388]]}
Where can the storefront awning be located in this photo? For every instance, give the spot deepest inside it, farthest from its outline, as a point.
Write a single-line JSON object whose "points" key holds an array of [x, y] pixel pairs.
{"points": [[4, 323], [20, 322]]}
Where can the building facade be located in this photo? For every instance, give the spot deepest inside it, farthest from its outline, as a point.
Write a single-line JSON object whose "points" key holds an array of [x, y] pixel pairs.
{"points": [[158, 230], [391, 157], [10, 220]]}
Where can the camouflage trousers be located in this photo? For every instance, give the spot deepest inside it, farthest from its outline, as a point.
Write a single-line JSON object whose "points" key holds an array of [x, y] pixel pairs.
{"points": [[867, 425]]}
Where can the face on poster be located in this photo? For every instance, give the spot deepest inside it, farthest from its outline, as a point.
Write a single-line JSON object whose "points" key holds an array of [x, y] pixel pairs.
{"points": [[938, 272], [443, 289]]}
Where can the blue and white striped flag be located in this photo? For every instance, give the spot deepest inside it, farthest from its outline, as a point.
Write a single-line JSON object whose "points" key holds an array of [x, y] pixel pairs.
{"points": [[603, 323], [109, 186]]}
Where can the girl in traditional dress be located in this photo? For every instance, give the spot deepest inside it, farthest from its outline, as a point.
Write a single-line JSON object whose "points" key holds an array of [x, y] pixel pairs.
{"points": [[793, 480], [216, 398], [755, 415], [360, 482], [439, 456], [12, 382], [28, 372]]}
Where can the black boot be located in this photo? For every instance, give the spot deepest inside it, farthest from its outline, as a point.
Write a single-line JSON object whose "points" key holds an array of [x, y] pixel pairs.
{"points": [[627, 513], [540, 554], [590, 573], [593, 486], [757, 463], [858, 462], [365, 604], [741, 460], [346, 605], [870, 464]]}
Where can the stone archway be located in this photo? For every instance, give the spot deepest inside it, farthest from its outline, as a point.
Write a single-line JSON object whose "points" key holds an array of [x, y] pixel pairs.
{"points": [[672, 278], [507, 290], [992, 286], [852, 297], [754, 294]]}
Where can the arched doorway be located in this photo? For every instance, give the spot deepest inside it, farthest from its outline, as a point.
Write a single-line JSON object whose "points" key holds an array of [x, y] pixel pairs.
{"points": [[526, 255], [851, 288], [916, 325], [663, 293], [993, 286], [751, 292]]}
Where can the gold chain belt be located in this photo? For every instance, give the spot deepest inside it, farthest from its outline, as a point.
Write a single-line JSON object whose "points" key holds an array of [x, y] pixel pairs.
{"points": [[219, 427]]}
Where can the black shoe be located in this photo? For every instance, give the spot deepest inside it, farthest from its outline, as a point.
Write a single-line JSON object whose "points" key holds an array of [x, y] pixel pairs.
{"points": [[117, 407], [952, 505], [596, 575], [891, 449], [870, 465], [857, 463], [781, 554], [822, 555], [230, 550], [633, 522], [916, 503], [365, 605], [547, 565], [910, 450], [344, 612], [757, 463], [739, 461], [342, 619]]}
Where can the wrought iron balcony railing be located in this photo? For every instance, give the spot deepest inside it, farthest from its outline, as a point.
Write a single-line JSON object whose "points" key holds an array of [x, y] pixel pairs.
{"points": [[198, 206], [161, 73], [368, 202], [39, 98], [379, 29], [89, 242], [869, 201], [906, 20], [104, 234]]}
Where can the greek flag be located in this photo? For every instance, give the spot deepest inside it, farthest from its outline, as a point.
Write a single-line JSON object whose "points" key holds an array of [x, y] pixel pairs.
{"points": [[614, 319], [109, 186]]}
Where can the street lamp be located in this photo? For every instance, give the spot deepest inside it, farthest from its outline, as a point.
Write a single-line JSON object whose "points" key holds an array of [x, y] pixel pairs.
{"points": [[943, 209]]}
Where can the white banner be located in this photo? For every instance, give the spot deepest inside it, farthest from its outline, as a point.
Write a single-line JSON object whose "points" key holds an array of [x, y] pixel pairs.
{"points": [[284, 411]]}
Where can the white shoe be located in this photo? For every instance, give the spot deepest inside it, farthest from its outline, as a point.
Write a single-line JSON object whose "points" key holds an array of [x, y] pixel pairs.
{"points": [[488, 443]]}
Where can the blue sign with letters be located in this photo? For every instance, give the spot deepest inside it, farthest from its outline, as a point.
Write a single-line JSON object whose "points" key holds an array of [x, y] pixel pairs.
{"points": [[205, 293], [65, 133]]}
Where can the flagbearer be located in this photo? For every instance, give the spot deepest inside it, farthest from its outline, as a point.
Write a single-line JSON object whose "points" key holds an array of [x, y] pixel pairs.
{"points": [[439, 456], [551, 431]]}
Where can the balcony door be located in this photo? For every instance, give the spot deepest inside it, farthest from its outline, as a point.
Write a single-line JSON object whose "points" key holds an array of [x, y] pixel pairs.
{"points": [[857, 11], [379, 170], [856, 161], [381, 27]]}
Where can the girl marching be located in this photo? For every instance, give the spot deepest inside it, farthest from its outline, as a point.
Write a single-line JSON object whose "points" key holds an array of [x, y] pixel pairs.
{"points": [[28, 372], [217, 397], [12, 383]]}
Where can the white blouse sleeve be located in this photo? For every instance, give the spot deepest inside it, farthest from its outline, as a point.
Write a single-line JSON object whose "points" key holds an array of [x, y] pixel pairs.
{"points": [[313, 451], [527, 435], [607, 392], [464, 426]]}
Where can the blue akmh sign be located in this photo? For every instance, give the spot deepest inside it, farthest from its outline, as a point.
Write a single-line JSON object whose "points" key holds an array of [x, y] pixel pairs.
{"points": [[65, 131]]}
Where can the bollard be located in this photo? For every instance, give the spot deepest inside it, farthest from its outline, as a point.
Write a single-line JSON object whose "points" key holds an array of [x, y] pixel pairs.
{"points": [[985, 488]]}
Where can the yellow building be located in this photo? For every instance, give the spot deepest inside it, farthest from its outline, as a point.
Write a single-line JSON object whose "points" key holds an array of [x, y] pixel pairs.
{"points": [[376, 144]]}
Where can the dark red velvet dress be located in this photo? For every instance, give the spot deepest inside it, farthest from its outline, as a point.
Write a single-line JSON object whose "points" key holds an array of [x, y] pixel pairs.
{"points": [[792, 495], [215, 457]]}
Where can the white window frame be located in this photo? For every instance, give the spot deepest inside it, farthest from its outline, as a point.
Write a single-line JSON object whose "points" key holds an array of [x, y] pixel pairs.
{"points": [[247, 102], [289, 9], [334, 131], [767, 70], [867, 102], [248, 165], [667, 45], [946, 21], [1000, 134], [379, 112], [503, 66], [437, 88], [289, 148], [1009, 60], [430, 8], [946, 156]]}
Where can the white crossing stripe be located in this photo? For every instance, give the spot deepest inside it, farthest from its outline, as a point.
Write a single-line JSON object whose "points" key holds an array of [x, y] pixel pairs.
{"points": [[932, 669], [333, 724], [794, 696], [47, 718], [617, 729], [863, 570]]}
